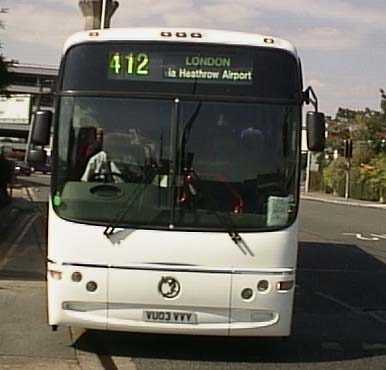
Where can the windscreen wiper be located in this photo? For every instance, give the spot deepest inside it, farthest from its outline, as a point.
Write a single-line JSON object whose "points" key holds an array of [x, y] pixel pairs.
{"points": [[225, 220], [174, 170], [109, 230]]}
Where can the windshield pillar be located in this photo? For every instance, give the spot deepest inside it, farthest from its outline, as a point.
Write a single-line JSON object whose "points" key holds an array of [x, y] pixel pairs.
{"points": [[173, 161]]}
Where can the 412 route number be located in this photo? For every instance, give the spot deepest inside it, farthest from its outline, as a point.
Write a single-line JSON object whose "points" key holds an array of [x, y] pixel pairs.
{"points": [[129, 64]]}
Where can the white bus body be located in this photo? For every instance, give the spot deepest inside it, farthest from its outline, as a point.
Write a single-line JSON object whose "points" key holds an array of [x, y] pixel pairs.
{"points": [[169, 280]]}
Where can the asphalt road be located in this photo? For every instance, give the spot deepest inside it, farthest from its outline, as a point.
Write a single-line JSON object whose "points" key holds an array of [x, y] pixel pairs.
{"points": [[339, 319]]}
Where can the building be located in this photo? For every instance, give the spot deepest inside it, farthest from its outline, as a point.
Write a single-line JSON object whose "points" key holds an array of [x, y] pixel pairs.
{"points": [[31, 89]]}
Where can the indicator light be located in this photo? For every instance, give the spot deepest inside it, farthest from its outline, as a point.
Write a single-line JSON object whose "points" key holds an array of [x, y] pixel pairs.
{"points": [[91, 286], [76, 276], [247, 294], [262, 285], [283, 286], [56, 275]]}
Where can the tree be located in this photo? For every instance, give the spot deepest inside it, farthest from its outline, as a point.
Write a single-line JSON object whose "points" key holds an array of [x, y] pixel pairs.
{"points": [[374, 174], [367, 129]]}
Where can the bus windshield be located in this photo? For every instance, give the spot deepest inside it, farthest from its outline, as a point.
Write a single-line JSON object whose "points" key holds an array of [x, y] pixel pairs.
{"points": [[153, 162]]}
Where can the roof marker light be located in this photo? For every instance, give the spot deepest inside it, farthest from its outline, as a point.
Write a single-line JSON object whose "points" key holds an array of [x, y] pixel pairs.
{"points": [[269, 40], [166, 34], [196, 35], [94, 33], [181, 34]]}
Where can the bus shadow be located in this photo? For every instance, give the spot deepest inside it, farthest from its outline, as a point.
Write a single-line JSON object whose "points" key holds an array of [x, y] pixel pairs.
{"points": [[339, 315]]}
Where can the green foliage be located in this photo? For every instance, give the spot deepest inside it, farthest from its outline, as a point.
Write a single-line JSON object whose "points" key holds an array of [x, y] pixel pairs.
{"points": [[374, 174], [367, 129], [334, 175]]}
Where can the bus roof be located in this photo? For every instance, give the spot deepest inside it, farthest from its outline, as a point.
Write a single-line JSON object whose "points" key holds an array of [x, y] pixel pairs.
{"points": [[191, 35]]}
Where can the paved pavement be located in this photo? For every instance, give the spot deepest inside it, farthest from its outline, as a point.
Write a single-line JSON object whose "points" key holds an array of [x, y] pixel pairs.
{"points": [[10, 209], [30, 345], [330, 198]]}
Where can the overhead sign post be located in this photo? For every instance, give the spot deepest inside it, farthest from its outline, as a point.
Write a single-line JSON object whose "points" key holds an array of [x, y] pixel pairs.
{"points": [[97, 13], [103, 14]]}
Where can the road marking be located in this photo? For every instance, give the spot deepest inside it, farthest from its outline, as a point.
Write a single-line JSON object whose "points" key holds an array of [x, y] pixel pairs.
{"points": [[372, 238], [126, 363], [351, 308], [338, 301]]}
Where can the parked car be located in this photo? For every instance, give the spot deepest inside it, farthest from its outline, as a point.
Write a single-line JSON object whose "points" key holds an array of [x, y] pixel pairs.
{"points": [[21, 168], [42, 167]]}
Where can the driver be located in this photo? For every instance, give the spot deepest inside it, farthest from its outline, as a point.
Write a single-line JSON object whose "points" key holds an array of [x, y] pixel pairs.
{"points": [[100, 167]]}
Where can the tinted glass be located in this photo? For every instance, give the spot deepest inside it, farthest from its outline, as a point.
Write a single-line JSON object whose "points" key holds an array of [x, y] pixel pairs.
{"points": [[197, 165], [197, 70]]}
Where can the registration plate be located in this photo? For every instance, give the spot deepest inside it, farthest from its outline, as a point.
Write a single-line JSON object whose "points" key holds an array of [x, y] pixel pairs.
{"points": [[170, 317]]}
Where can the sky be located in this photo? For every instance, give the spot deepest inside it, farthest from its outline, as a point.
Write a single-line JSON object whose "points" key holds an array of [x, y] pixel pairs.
{"points": [[342, 44]]}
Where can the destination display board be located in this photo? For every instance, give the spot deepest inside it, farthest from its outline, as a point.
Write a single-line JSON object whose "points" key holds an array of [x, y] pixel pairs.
{"points": [[153, 66], [179, 69]]}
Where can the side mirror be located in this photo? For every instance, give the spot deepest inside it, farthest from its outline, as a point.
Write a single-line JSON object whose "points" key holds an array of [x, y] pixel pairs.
{"points": [[41, 128], [316, 137]]}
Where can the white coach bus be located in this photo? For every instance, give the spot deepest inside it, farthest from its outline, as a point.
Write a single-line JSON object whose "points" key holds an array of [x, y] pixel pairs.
{"points": [[175, 185]]}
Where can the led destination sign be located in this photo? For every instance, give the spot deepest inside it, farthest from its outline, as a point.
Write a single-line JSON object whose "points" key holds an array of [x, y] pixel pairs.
{"points": [[179, 67]]}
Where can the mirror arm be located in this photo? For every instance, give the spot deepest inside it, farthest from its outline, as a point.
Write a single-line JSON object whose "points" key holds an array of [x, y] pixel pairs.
{"points": [[309, 96]]}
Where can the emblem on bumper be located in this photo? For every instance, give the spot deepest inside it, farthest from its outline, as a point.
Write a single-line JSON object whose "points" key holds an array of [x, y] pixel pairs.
{"points": [[169, 287]]}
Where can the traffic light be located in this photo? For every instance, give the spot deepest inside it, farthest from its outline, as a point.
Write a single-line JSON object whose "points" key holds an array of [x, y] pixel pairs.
{"points": [[347, 148]]}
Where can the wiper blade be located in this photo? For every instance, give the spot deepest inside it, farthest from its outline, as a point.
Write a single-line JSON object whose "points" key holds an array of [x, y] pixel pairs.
{"points": [[225, 220], [109, 230]]}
